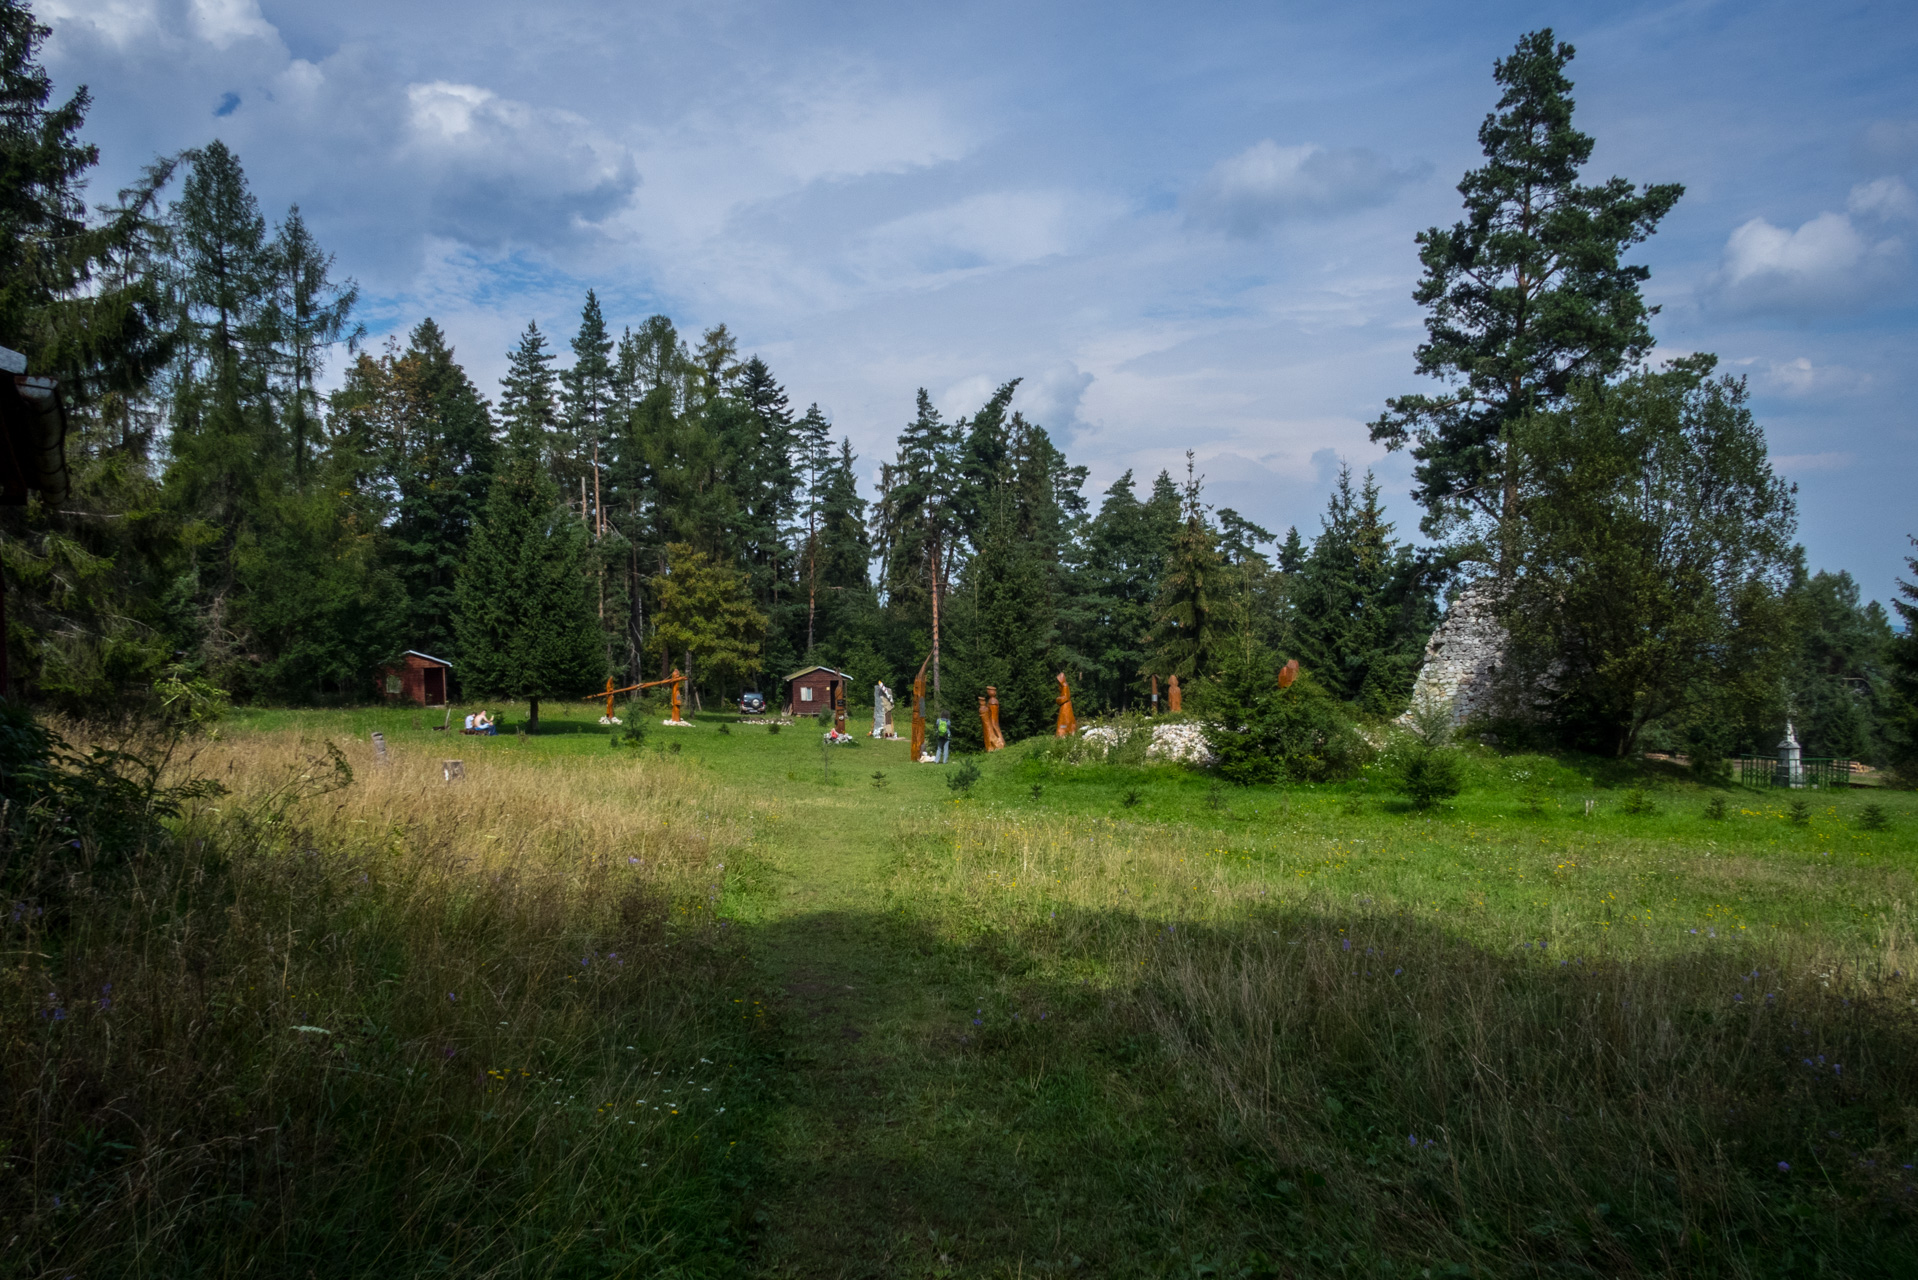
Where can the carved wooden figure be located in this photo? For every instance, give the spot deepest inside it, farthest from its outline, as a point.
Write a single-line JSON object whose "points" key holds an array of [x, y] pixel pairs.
{"points": [[919, 711], [1068, 723], [997, 736], [1172, 695]]}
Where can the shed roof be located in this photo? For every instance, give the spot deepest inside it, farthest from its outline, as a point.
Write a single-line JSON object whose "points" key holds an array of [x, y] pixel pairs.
{"points": [[806, 671], [429, 657]]}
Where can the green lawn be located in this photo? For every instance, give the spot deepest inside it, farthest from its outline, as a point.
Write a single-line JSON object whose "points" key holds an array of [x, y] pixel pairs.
{"points": [[1125, 1021]]}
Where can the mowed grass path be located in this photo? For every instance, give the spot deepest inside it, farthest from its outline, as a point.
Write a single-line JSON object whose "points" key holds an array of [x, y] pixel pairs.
{"points": [[983, 1065]]}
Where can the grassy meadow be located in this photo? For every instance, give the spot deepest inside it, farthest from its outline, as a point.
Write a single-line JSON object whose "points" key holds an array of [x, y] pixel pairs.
{"points": [[735, 1003]]}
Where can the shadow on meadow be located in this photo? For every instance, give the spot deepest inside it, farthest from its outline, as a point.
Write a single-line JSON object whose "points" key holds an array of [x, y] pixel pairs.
{"points": [[1298, 1094]]}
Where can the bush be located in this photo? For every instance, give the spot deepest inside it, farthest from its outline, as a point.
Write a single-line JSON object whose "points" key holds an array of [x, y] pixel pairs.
{"points": [[1262, 733], [1873, 818], [962, 779], [1428, 775], [1426, 767]]}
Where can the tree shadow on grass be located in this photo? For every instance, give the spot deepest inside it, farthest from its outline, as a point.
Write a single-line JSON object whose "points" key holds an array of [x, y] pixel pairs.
{"points": [[1302, 1094]]}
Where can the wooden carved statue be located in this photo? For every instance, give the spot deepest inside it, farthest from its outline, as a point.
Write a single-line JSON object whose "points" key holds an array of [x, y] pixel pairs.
{"points": [[839, 707], [1068, 723], [995, 736], [1155, 695], [985, 724], [1288, 673], [919, 711], [676, 680], [1172, 695], [609, 717]]}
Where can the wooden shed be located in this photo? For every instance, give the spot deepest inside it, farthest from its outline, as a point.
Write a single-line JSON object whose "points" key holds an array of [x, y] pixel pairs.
{"points": [[812, 690], [418, 677]]}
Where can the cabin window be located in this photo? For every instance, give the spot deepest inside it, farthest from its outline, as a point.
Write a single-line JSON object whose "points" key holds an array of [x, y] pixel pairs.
{"points": [[805, 693], [392, 684]]}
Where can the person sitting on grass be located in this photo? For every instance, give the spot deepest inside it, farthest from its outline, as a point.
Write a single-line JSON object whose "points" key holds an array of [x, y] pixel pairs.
{"points": [[470, 726], [483, 723]]}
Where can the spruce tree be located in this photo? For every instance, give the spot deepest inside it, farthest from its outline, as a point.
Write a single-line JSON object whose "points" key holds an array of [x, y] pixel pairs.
{"points": [[1901, 661], [441, 460], [1187, 620], [586, 399], [526, 623], [1010, 625], [225, 440], [310, 314], [528, 393], [1525, 298], [1360, 606]]}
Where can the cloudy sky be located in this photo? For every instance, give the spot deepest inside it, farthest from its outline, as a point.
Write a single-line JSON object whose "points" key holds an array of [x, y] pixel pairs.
{"points": [[1185, 226]]}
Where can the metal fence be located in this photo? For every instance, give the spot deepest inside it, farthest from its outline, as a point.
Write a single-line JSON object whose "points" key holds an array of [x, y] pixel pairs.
{"points": [[1758, 771]]}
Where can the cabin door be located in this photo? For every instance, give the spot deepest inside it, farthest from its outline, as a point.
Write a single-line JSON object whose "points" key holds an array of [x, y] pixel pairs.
{"points": [[435, 682]]}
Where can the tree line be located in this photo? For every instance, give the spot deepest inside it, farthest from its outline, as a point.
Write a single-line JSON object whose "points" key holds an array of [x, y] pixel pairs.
{"points": [[639, 500]]}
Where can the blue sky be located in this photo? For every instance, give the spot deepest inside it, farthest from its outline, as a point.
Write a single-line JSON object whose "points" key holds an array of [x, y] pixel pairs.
{"points": [[1186, 227]]}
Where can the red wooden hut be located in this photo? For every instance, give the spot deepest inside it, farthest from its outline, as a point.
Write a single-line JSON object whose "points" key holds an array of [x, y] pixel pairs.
{"points": [[812, 690], [418, 677]]}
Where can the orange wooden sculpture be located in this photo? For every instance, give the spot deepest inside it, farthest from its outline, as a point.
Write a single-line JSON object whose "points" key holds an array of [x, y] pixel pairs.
{"points": [[1068, 723], [995, 736], [1172, 695], [919, 711], [1155, 695], [678, 682], [985, 724], [1288, 673], [608, 695]]}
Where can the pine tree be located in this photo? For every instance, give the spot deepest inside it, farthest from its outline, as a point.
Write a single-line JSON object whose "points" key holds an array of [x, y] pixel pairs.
{"points": [[1525, 298], [525, 622]]}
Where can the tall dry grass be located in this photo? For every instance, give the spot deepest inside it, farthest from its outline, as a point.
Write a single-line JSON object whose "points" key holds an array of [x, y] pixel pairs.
{"points": [[394, 1025], [1399, 1093]]}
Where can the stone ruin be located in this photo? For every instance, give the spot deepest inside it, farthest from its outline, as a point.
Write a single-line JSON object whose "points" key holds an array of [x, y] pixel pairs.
{"points": [[1464, 657]]}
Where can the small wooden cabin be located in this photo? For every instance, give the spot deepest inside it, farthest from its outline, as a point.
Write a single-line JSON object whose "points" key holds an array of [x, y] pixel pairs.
{"points": [[811, 691], [418, 677]]}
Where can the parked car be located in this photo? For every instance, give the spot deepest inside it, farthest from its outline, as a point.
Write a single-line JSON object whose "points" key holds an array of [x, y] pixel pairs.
{"points": [[752, 703]]}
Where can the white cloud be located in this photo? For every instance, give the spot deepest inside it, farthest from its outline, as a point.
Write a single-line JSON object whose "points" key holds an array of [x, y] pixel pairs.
{"points": [[984, 232], [858, 131], [1800, 462], [1800, 377], [118, 23], [1266, 183], [502, 171], [1883, 198], [222, 23], [1827, 263]]}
